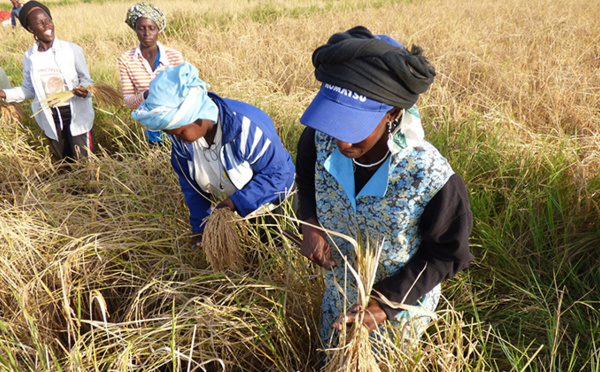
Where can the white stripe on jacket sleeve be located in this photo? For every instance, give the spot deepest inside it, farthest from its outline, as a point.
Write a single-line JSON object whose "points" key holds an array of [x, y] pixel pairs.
{"points": [[239, 174]]}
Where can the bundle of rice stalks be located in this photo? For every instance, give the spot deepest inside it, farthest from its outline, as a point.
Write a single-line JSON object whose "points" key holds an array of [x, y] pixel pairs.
{"points": [[384, 347], [105, 95], [102, 94], [221, 239], [356, 353], [11, 112]]}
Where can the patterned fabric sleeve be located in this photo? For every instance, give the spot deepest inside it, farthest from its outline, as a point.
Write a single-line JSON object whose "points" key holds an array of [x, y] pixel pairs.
{"points": [[175, 56]]}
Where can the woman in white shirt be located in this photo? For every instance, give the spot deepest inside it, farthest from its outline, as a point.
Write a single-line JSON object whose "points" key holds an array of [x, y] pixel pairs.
{"points": [[52, 66]]}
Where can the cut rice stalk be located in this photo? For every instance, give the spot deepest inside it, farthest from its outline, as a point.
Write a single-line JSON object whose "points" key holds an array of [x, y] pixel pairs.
{"points": [[56, 99], [356, 355], [360, 351], [221, 239]]}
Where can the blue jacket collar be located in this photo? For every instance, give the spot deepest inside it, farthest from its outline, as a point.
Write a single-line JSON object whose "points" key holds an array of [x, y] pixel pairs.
{"points": [[341, 168], [230, 122]]}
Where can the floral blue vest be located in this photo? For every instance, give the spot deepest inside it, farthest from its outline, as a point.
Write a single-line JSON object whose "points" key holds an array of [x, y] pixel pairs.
{"points": [[388, 207]]}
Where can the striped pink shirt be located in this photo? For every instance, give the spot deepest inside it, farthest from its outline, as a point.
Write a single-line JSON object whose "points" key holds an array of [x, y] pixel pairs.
{"points": [[136, 73]]}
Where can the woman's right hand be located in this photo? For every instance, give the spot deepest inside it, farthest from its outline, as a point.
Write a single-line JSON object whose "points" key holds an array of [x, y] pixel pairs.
{"points": [[80, 91], [314, 245]]}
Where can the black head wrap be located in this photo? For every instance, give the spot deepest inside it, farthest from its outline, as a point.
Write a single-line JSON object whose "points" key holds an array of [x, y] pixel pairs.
{"points": [[358, 61], [28, 8]]}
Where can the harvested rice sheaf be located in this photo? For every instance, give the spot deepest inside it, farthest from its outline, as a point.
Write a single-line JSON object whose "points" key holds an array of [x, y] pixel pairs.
{"points": [[221, 239], [105, 95], [11, 112], [355, 350], [56, 99]]}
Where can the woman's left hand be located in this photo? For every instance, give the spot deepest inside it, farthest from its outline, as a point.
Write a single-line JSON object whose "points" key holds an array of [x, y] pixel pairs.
{"points": [[80, 91], [227, 203], [374, 316]]}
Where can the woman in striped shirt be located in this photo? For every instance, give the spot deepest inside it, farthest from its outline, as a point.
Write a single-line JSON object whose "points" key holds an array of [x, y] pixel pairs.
{"points": [[138, 66]]}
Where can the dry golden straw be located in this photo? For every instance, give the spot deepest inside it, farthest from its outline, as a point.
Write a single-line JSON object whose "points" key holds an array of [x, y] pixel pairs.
{"points": [[58, 99], [11, 112], [356, 355], [221, 239]]}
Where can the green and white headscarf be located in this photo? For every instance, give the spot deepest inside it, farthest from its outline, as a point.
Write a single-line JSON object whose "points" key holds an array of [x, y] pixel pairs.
{"points": [[407, 131], [146, 10]]}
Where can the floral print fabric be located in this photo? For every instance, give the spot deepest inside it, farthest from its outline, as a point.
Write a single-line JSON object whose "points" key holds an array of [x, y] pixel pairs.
{"points": [[145, 10], [387, 209]]}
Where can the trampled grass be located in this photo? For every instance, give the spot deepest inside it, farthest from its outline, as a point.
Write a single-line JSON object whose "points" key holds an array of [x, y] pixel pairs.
{"points": [[96, 271]]}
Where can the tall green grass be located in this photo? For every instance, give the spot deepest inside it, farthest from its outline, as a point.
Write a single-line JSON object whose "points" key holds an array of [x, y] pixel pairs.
{"points": [[537, 238]]}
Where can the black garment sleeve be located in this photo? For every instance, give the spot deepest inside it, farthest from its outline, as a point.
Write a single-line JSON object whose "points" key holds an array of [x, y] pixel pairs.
{"points": [[306, 159], [445, 227]]}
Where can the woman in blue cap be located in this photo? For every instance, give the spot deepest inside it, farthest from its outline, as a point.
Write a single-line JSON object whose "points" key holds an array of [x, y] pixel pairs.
{"points": [[221, 148], [365, 170]]}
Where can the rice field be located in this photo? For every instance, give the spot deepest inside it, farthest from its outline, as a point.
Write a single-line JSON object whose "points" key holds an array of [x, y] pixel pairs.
{"points": [[96, 268]]}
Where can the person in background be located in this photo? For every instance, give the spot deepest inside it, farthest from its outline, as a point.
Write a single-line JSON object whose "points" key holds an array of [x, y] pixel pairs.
{"points": [[53, 66], [4, 82], [138, 66], [14, 13], [365, 170], [221, 148]]}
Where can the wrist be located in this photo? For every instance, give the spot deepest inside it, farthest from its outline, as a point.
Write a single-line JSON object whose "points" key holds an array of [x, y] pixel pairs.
{"points": [[309, 222], [376, 311]]}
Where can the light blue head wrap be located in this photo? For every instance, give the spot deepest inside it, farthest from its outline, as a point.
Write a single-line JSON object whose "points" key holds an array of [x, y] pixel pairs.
{"points": [[177, 97]]}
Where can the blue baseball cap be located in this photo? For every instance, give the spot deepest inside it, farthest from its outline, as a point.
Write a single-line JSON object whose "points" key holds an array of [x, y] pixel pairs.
{"points": [[343, 114]]}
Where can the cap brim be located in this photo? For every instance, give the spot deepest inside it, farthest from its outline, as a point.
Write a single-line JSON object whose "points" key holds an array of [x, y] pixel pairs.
{"points": [[342, 122]]}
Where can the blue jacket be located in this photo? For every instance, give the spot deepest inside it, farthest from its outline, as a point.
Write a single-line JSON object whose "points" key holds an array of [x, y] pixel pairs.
{"points": [[253, 159]]}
